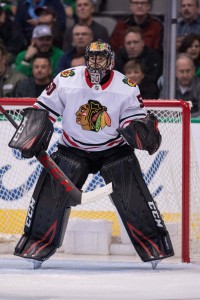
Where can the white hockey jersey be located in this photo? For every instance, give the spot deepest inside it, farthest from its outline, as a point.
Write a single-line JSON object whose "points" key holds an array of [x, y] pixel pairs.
{"points": [[91, 113]]}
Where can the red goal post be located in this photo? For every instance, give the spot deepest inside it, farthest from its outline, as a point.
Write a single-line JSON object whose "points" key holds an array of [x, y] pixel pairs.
{"points": [[185, 107], [170, 113]]}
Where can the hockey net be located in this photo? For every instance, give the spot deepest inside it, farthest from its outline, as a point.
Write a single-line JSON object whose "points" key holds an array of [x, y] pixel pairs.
{"points": [[172, 176]]}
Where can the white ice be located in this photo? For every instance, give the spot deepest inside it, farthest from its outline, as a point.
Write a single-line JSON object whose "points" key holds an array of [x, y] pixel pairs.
{"points": [[102, 277]]}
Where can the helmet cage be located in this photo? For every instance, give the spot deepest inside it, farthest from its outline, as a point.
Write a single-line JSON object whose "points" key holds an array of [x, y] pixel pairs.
{"points": [[98, 70]]}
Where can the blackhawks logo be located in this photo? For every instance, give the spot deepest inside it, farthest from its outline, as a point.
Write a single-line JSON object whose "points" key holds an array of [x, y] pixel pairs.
{"points": [[93, 116], [67, 73], [129, 82]]}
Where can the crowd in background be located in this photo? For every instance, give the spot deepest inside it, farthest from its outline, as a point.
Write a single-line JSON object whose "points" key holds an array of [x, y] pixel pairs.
{"points": [[40, 38]]}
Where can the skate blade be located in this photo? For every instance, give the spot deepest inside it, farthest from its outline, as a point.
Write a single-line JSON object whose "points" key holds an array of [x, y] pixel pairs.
{"points": [[154, 263], [35, 263]]}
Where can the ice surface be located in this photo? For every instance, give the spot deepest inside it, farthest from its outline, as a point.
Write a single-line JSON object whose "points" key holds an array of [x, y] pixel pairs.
{"points": [[102, 278]]}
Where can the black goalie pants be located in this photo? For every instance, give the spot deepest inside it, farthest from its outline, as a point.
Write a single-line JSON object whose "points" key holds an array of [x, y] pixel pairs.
{"points": [[50, 207]]}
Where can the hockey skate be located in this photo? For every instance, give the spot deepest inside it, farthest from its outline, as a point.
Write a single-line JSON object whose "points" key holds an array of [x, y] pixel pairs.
{"points": [[36, 264], [154, 263]]}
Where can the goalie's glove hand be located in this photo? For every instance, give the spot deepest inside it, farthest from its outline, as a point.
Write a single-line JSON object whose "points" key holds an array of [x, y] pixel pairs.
{"points": [[34, 133], [143, 134]]}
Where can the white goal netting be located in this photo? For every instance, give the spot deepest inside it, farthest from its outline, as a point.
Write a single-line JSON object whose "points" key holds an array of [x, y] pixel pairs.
{"points": [[165, 173]]}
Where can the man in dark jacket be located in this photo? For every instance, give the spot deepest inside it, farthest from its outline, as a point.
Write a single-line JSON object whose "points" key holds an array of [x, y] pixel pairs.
{"points": [[187, 84], [81, 36], [27, 19], [151, 26], [134, 47], [42, 75], [84, 13]]}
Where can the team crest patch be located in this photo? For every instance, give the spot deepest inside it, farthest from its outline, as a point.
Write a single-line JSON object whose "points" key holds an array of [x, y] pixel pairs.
{"points": [[67, 73], [129, 82], [93, 116]]}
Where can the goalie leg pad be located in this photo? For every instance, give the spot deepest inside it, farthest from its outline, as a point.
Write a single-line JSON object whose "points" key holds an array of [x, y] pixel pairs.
{"points": [[137, 209], [49, 210]]}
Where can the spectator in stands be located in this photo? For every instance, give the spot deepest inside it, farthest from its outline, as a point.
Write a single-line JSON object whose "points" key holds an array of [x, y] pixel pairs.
{"points": [[8, 76], [81, 37], [26, 18], [134, 47], [84, 13], [11, 36], [47, 15], [187, 84], [191, 45], [134, 70], [78, 60], [42, 42], [42, 76], [190, 20], [151, 26]]}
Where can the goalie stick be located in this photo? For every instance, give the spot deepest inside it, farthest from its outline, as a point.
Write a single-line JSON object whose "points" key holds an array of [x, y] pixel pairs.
{"points": [[51, 167]]}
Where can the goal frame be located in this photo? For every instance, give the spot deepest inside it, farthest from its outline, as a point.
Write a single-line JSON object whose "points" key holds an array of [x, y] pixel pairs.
{"points": [[185, 107]]}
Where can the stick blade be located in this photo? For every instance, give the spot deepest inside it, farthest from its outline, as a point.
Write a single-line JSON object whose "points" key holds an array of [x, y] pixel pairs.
{"points": [[97, 194]]}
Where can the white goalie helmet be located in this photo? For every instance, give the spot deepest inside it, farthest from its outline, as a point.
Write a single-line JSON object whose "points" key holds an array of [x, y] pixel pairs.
{"points": [[99, 58]]}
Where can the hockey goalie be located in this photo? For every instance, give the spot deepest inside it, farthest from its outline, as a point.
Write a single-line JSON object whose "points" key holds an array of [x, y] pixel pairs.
{"points": [[103, 121]]}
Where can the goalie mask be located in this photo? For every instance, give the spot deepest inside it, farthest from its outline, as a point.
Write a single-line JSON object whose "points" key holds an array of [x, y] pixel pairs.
{"points": [[99, 58]]}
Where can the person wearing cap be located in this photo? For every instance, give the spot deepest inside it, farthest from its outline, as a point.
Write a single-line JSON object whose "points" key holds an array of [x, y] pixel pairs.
{"points": [[46, 15], [27, 19], [42, 42]]}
